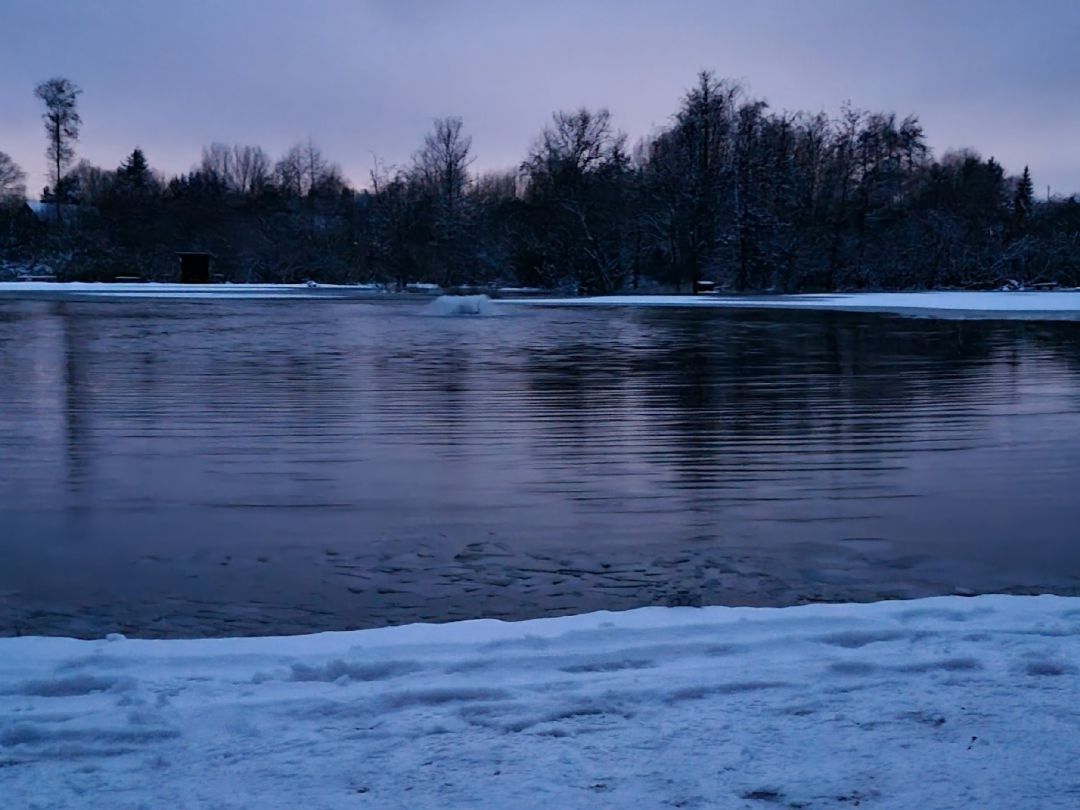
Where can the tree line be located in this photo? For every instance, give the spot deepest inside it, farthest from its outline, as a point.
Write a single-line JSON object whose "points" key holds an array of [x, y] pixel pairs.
{"points": [[729, 191]]}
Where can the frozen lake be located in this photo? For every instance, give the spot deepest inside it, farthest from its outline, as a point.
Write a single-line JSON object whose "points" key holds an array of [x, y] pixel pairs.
{"points": [[178, 468]]}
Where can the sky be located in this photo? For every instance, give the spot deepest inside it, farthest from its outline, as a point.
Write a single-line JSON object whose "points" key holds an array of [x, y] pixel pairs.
{"points": [[366, 78]]}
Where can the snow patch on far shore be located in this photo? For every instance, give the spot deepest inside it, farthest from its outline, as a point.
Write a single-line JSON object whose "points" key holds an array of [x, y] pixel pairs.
{"points": [[1034, 305], [1055, 305], [947, 703], [87, 289]]}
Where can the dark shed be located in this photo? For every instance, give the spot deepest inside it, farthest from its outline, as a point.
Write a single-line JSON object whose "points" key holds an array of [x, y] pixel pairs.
{"points": [[194, 267]]}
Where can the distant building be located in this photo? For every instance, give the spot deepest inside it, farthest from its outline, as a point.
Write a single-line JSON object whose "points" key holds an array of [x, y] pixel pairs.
{"points": [[194, 267], [704, 286]]}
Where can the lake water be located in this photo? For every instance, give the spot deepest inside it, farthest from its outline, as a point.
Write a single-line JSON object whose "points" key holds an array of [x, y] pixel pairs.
{"points": [[204, 468]]}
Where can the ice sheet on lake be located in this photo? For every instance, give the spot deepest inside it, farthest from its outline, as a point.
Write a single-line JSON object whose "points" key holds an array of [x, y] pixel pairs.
{"points": [[1035, 305], [943, 703]]}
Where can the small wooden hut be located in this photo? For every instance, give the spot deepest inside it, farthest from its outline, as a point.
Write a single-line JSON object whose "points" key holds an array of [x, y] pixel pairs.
{"points": [[194, 267]]}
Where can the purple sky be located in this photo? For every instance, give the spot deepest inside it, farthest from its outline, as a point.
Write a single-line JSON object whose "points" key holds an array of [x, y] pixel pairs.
{"points": [[366, 78]]}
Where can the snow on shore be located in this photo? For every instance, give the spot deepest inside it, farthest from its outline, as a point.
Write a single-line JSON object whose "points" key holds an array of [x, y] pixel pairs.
{"points": [[1029, 305], [1038, 305], [83, 289], [943, 703]]}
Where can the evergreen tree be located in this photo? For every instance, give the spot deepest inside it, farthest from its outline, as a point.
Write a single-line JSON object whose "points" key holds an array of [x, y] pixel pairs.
{"points": [[1022, 203], [135, 171]]}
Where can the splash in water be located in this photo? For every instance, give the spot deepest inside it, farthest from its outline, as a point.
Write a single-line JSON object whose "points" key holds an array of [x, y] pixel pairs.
{"points": [[451, 305]]}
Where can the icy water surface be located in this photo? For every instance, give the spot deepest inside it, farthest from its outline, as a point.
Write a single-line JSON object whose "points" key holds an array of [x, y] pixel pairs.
{"points": [[214, 467]]}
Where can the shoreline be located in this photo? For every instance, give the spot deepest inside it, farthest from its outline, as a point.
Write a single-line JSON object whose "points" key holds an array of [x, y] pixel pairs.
{"points": [[989, 305], [314, 590], [1035, 305]]}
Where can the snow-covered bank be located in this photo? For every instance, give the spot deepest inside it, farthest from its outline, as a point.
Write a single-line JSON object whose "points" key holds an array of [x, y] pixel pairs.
{"points": [[943, 703], [1031, 305], [1058, 305], [80, 289]]}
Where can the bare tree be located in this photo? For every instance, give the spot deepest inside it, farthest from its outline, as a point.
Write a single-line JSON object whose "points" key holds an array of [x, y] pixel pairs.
{"points": [[499, 185], [442, 164], [217, 163], [440, 178], [304, 171], [62, 124], [251, 169], [576, 144], [313, 164], [11, 180], [289, 172], [240, 169], [577, 173], [91, 182]]}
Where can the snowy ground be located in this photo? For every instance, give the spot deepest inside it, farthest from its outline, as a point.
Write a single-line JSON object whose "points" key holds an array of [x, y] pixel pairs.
{"points": [[79, 289], [937, 703], [1036, 305]]}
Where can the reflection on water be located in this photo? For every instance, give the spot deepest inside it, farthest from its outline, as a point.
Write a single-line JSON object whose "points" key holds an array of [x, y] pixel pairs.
{"points": [[175, 467]]}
